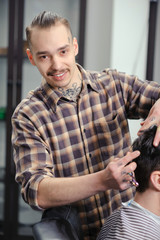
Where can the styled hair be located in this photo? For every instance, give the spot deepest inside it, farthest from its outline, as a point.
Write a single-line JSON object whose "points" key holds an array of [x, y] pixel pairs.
{"points": [[149, 159], [45, 20]]}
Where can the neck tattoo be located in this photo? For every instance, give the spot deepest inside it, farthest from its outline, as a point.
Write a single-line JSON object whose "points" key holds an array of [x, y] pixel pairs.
{"points": [[72, 92]]}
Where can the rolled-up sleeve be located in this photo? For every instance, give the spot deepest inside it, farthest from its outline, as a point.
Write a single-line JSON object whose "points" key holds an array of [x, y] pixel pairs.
{"points": [[32, 157]]}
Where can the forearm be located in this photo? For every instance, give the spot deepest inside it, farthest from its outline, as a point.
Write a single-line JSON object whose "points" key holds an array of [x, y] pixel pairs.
{"points": [[61, 191]]}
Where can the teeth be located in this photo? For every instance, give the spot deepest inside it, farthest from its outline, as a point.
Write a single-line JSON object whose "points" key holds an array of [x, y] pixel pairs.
{"points": [[59, 75]]}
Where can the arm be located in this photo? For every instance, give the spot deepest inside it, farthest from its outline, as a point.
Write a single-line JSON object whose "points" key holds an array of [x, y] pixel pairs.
{"points": [[153, 119], [142, 99], [138, 96], [61, 191]]}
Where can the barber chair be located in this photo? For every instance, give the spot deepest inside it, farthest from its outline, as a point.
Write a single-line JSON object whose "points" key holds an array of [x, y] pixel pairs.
{"points": [[60, 223]]}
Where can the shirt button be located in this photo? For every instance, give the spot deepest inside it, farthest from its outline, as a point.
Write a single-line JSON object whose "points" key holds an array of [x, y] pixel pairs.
{"points": [[90, 155], [84, 130]]}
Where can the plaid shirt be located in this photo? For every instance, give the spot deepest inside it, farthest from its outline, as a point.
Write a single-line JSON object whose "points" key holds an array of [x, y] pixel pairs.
{"points": [[55, 137]]}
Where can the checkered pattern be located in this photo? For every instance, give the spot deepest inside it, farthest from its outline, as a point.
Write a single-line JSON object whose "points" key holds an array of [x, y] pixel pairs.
{"points": [[54, 137]]}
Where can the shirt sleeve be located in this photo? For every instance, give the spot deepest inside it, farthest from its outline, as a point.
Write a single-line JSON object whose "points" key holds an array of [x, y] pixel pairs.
{"points": [[138, 96], [31, 155]]}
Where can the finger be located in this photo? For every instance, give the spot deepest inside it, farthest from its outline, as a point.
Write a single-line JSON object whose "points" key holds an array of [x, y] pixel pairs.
{"points": [[129, 180], [157, 137], [149, 122], [129, 157], [126, 177], [130, 167], [142, 123], [125, 185], [115, 160]]}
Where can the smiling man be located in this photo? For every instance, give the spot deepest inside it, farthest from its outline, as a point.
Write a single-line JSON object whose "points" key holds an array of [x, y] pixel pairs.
{"points": [[70, 135]]}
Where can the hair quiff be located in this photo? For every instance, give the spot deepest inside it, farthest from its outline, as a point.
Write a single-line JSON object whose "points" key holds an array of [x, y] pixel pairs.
{"points": [[45, 20]]}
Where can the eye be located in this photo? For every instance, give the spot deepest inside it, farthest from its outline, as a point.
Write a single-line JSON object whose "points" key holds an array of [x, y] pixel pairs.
{"points": [[63, 52], [43, 57]]}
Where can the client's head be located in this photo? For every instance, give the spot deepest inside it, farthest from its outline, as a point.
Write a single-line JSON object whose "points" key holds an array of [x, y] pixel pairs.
{"points": [[148, 163]]}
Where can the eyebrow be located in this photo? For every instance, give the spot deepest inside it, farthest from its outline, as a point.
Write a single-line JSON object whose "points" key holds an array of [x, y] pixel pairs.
{"points": [[41, 53], [46, 52]]}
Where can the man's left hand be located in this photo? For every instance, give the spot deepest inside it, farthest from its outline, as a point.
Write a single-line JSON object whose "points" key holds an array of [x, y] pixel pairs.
{"points": [[152, 119]]}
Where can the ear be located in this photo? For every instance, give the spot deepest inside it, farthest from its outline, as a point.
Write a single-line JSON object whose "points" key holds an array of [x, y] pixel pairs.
{"points": [[75, 44], [30, 56], [155, 180]]}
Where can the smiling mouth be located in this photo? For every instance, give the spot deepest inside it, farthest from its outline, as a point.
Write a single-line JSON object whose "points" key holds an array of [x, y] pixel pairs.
{"points": [[57, 76]]}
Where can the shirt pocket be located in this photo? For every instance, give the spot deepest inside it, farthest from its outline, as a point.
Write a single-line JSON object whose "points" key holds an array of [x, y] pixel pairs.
{"points": [[110, 134]]}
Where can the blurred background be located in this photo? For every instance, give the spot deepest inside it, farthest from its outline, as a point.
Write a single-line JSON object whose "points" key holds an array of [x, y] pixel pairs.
{"points": [[111, 33]]}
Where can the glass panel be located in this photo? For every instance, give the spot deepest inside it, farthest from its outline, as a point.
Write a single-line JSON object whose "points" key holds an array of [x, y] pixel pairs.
{"points": [[32, 78], [3, 98]]}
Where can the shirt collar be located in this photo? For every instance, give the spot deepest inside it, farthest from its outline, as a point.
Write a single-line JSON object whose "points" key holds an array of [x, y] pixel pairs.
{"points": [[89, 78], [50, 96]]}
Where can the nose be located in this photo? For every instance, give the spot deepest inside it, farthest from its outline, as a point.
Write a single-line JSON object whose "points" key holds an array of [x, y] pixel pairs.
{"points": [[56, 62]]}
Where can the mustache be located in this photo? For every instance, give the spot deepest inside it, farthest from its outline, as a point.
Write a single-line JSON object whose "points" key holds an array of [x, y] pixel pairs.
{"points": [[53, 72]]}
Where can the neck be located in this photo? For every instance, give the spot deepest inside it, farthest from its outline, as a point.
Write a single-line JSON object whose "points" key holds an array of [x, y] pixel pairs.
{"points": [[149, 200], [73, 91]]}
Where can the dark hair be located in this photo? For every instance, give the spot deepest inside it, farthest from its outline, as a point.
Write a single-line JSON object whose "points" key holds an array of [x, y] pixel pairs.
{"points": [[45, 20], [149, 159]]}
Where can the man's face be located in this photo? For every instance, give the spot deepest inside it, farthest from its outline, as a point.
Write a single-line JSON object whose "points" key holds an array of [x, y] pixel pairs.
{"points": [[53, 52]]}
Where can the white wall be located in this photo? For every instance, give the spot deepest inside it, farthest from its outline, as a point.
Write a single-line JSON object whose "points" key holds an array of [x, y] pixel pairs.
{"points": [[129, 36], [116, 35], [98, 34]]}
